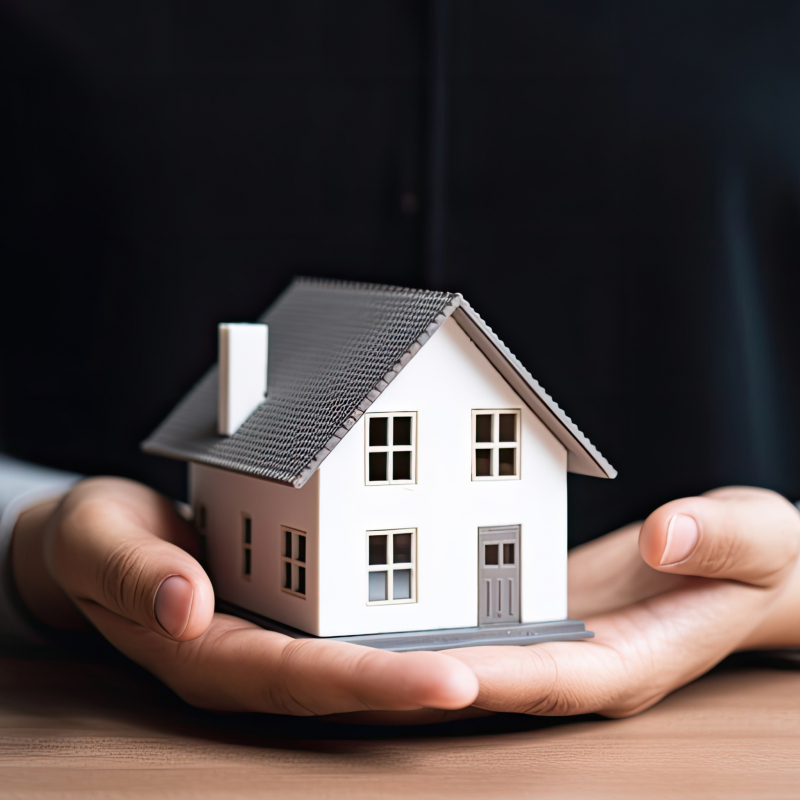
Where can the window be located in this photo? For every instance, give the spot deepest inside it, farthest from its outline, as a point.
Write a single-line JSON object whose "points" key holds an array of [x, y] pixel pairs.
{"points": [[495, 444], [293, 562], [247, 537], [391, 448], [391, 566]]}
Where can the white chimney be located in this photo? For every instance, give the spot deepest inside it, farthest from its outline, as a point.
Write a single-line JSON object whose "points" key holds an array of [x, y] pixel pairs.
{"points": [[242, 373]]}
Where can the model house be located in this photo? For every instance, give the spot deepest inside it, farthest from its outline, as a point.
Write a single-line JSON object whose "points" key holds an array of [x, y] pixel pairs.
{"points": [[372, 463]]}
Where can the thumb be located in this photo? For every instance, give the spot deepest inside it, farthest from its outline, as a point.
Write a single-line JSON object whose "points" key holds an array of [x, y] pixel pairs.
{"points": [[111, 542], [743, 534]]}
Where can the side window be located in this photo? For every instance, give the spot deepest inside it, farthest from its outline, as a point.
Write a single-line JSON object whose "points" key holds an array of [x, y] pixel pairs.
{"points": [[247, 545], [391, 566], [293, 561], [495, 444], [391, 448]]}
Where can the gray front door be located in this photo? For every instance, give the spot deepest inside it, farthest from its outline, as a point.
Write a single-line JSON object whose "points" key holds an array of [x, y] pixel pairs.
{"points": [[498, 573]]}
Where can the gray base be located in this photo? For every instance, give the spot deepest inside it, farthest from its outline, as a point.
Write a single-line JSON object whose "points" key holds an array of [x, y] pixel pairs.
{"points": [[561, 631]]}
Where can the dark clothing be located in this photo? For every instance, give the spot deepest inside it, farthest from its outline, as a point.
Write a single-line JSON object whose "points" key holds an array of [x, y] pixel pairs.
{"points": [[613, 185]]}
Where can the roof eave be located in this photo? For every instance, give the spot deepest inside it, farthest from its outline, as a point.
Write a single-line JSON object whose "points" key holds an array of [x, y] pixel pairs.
{"points": [[583, 457]]}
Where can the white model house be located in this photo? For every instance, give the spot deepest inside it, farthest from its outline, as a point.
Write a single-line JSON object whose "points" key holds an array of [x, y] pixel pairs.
{"points": [[384, 471]]}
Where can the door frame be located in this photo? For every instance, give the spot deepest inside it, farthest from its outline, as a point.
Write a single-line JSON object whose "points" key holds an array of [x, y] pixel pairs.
{"points": [[503, 534]]}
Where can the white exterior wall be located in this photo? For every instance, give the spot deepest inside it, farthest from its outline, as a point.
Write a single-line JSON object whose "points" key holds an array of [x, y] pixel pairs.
{"points": [[443, 383], [226, 496]]}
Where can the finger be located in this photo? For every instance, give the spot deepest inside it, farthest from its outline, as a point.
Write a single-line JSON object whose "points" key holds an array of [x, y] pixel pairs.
{"points": [[236, 666], [637, 656], [742, 534], [608, 573], [111, 543]]}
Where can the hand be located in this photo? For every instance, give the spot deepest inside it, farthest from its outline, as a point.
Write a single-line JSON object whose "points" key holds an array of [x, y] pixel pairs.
{"points": [[118, 554], [711, 575]]}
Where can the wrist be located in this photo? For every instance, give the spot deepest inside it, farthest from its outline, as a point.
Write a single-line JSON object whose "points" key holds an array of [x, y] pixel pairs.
{"points": [[37, 589]]}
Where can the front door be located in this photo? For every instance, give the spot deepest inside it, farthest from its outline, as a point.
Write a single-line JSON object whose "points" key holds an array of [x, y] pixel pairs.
{"points": [[498, 573]]}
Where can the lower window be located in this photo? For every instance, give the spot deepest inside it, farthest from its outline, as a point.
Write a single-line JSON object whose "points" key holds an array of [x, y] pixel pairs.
{"points": [[293, 561], [392, 566]]}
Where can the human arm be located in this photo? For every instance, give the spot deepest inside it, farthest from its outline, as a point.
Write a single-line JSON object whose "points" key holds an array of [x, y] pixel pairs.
{"points": [[22, 486]]}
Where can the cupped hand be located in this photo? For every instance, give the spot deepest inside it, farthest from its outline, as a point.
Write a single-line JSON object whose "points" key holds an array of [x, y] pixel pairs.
{"points": [[118, 554], [668, 599]]}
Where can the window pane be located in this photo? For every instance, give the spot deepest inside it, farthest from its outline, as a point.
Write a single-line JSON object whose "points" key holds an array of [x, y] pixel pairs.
{"points": [[287, 575], [378, 431], [287, 544], [401, 544], [377, 549], [508, 553], [483, 463], [508, 427], [401, 465], [483, 428], [247, 561], [377, 467], [301, 580], [491, 553], [401, 584], [377, 586], [248, 530], [401, 433], [301, 548], [507, 461]]}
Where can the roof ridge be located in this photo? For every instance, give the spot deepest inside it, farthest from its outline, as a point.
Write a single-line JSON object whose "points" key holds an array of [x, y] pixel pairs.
{"points": [[364, 286]]}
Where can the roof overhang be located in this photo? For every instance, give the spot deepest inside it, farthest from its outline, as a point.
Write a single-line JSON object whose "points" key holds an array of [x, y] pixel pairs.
{"points": [[583, 457]]}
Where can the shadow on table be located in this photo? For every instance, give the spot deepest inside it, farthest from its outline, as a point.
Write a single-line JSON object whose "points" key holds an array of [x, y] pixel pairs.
{"points": [[58, 685]]}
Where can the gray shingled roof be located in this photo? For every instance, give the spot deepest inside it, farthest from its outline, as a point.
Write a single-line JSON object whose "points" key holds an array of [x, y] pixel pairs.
{"points": [[333, 348]]}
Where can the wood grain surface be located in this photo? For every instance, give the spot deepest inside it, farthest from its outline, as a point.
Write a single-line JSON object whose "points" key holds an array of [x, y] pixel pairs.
{"points": [[79, 729]]}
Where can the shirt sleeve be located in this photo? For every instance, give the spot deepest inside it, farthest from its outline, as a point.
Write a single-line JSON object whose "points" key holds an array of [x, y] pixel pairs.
{"points": [[22, 486]]}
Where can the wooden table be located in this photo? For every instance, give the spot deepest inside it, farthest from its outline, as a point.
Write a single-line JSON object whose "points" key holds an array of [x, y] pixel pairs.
{"points": [[72, 728]]}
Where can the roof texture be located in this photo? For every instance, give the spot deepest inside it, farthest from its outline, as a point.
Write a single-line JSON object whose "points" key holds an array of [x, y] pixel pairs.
{"points": [[333, 348]]}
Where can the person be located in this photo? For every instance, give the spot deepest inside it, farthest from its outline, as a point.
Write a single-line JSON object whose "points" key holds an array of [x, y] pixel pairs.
{"points": [[619, 193]]}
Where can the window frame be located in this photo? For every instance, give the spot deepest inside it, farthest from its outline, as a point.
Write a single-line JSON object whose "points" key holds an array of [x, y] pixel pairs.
{"points": [[247, 546], [295, 564], [390, 567], [496, 445], [391, 448]]}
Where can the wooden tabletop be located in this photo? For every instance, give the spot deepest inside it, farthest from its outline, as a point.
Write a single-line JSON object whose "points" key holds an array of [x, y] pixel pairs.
{"points": [[74, 728]]}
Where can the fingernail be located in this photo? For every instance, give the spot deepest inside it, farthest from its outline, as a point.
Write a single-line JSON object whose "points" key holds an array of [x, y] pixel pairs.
{"points": [[173, 604], [682, 536]]}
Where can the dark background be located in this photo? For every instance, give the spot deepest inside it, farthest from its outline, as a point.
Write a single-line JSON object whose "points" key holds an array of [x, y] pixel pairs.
{"points": [[613, 185]]}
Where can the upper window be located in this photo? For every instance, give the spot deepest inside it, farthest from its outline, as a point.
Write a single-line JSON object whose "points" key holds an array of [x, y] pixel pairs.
{"points": [[495, 444], [293, 561], [391, 448]]}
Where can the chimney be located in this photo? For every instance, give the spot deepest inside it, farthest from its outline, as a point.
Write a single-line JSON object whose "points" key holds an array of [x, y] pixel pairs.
{"points": [[242, 373]]}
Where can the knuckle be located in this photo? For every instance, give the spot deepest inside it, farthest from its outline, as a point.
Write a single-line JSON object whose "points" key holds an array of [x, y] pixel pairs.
{"points": [[554, 696], [720, 556], [121, 578], [277, 692]]}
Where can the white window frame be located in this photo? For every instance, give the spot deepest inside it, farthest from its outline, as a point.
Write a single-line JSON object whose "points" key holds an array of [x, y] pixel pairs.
{"points": [[495, 445], [391, 448], [296, 564], [390, 567]]}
